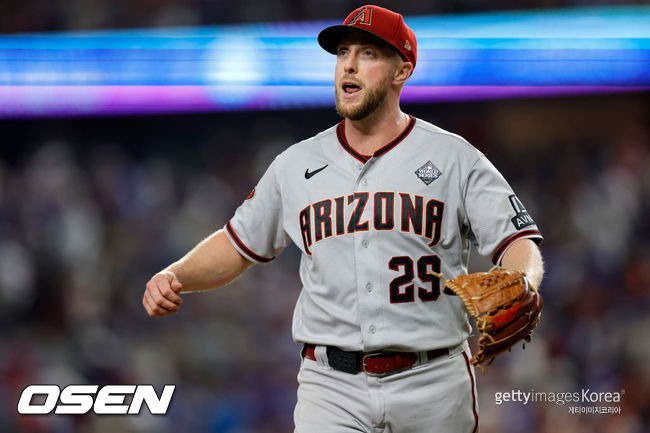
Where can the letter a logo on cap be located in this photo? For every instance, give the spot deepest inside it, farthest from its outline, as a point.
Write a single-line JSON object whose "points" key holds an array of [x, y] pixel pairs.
{"points": [[364, 16]]}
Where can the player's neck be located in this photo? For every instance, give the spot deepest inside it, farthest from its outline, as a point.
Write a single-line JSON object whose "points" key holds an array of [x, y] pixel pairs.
{"points": [[370, 134]]}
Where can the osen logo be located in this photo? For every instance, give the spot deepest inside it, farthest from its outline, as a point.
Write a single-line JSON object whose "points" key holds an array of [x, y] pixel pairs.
{"points": [[80, 399]]}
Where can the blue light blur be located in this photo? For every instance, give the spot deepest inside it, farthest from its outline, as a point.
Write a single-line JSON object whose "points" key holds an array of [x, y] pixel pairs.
{"points": [[265, 66]]}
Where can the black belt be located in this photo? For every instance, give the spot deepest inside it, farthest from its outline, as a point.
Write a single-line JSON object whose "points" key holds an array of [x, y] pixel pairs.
{"points": [[372, 363]]}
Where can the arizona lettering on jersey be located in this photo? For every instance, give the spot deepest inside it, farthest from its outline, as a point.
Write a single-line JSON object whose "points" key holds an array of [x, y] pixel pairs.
{"points": [[329, 217], [371, 228]]}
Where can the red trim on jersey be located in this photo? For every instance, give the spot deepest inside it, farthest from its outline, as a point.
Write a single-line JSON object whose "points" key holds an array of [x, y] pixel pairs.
{"points": [[340, 133], [471, 384], [505, 244], [244, 247], [397, 140]]}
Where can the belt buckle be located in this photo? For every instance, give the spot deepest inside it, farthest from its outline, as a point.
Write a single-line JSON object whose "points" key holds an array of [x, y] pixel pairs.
{"points": [[370, 373]]}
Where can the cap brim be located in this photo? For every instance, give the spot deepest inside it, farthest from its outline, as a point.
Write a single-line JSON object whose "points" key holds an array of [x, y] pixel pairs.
{"points": [[330, 37]]}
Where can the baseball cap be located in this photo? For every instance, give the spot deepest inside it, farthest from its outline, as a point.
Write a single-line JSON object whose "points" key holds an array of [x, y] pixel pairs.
{"points": [[380, 22]]}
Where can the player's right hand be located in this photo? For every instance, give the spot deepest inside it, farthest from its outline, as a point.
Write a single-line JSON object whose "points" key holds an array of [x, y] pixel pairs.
{"points": [[161, 295]]}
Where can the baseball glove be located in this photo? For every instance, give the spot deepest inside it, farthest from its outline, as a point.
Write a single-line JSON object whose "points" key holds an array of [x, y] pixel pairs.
{"points": [[506, 306]]}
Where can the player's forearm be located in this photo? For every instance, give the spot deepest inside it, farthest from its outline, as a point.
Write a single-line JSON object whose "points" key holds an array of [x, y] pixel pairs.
{"points": [[524, 255], [212, 263]]}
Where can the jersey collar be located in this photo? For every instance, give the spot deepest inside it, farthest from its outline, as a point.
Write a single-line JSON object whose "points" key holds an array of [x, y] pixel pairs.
{"points": [[340, 133]]}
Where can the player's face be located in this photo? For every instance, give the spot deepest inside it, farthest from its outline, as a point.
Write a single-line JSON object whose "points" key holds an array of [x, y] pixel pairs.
{"points": [[364, 74]]}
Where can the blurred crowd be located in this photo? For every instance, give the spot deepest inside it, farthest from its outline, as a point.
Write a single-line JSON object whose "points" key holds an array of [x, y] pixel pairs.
{"points": [[53, 15], [91, 208]]}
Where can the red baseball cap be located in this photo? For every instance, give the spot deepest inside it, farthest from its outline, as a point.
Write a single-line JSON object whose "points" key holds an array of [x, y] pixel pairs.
{"points": [[380, 22]]}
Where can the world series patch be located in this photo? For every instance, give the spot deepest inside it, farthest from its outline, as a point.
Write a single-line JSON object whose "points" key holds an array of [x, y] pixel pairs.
{"points": [[428, 172], [521, 218]]}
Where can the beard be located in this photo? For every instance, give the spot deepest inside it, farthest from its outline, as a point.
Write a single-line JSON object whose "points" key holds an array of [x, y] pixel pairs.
{"points": [[371, 101]]}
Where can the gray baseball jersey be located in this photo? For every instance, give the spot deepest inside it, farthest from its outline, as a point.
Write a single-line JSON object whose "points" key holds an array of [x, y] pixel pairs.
{"points": [[371, 228]]}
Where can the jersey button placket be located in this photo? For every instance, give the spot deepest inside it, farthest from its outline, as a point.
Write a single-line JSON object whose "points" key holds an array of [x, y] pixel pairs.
{"points": [[370, 305]]}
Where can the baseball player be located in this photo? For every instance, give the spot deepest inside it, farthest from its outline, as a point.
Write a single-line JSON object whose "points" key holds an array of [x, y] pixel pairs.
{"points": [[375, 204]]}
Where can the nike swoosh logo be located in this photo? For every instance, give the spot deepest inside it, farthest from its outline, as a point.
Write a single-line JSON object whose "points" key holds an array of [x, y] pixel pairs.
{"points": [[309, 174]]}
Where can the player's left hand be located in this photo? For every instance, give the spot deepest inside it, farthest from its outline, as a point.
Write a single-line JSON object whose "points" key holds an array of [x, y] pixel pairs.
{"points": [[161, 296], [506, 306]]}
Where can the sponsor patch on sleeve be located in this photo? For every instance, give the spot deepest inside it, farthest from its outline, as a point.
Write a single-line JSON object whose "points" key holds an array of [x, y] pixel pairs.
{"points": [[521, 218]]}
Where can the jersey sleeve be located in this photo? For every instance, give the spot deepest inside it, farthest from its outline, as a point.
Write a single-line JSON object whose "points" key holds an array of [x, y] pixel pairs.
{"points": [[256, 229], [497, 218]]}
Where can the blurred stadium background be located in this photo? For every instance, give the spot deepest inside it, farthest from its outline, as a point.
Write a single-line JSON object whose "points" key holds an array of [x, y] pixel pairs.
{"points": [[92, 205]]}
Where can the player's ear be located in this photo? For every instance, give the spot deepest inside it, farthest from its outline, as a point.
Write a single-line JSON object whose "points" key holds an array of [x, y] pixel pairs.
{"points": [[402, 72]]}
